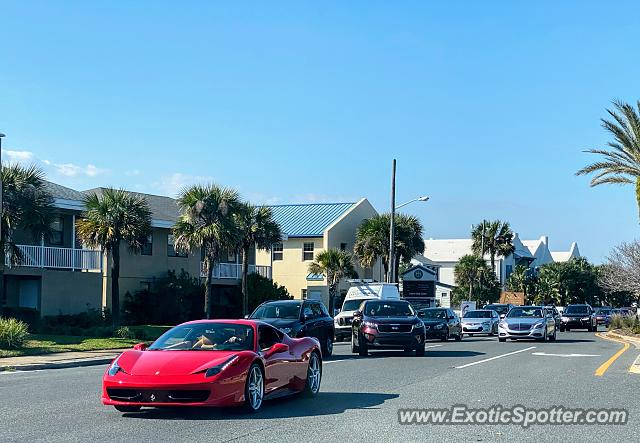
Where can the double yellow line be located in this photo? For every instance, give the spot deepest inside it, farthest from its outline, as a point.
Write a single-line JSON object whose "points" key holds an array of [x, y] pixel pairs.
{"points": [[603, 368]]}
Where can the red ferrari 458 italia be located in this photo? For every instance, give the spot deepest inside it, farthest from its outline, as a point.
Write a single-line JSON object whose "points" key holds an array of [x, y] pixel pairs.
{"points": [[214, 363]]}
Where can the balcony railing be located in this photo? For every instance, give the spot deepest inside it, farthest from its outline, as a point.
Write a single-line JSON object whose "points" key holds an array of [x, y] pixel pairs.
{"points": [[233, 271], [58, 258]]}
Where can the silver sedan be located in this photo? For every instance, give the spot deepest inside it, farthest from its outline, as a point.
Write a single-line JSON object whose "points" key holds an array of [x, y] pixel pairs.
{"points": [[480, 321], [534, 322]]}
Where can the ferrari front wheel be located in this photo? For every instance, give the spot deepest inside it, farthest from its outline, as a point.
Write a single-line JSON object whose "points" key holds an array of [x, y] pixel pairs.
{"points": [[314, 376], [254, 389]]}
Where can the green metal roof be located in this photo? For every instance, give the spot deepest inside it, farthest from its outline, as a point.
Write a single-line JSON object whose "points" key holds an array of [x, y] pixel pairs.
{"points": [[308, 220]]}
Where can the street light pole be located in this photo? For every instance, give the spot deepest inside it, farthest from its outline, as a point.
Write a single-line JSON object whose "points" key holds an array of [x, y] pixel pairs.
{"points": [[390, 274], [1, 137]]}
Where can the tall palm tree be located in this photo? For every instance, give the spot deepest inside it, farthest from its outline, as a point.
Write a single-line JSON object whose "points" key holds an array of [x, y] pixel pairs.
{"points": [[257, 228], [112, 218], [27, 206], [335, 265], [469, 272], [207, 222], [494, 238], [621, 163], [372, 240], [519, 280]]}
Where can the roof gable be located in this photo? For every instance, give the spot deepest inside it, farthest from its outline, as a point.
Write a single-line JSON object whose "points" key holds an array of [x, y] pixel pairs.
{"points": [[308, 220]]}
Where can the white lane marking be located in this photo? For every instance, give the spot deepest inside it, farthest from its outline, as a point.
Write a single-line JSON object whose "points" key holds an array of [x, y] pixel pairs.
{"points": [[494, 358], [564, 355]]}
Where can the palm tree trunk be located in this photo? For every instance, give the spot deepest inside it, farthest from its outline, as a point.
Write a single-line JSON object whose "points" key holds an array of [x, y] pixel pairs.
{"points": [[115, 285], [207, 287], [245, 275]]}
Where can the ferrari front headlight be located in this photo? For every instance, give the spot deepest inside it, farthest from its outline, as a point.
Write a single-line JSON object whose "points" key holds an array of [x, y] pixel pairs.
{"points": [[221, 367]]}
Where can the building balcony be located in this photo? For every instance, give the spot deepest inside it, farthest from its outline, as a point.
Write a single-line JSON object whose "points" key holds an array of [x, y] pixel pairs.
{"points": [[233, 271], [58, 258]]}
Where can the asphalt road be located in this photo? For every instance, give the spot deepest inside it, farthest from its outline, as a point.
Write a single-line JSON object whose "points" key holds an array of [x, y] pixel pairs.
{"points": [[359, 398]]}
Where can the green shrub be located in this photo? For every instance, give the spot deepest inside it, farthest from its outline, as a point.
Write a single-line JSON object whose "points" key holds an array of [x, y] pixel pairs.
{"points": [[124, 332], [13, 333]]}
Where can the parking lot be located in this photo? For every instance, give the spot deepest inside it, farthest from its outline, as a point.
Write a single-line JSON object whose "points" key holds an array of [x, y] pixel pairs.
{"points": [[359, 397]]}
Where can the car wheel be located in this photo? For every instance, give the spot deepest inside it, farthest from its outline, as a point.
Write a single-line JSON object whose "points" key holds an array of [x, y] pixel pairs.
{"points": [[327, 348], [354, 346], [314, 375], [127, 408], [502, 340], [567, 329], [554, 336], [561, 329], [362, 347], [446, 336], [420, 350], [459, 337], [254, 389]]}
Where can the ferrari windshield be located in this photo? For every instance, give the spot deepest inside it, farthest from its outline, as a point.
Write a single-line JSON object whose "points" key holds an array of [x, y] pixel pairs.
{"points": [[206, 337], [289, 311], [525, 312]]}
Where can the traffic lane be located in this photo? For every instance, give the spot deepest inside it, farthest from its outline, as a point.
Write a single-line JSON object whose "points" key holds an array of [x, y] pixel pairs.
{"points": [[355, 392]]}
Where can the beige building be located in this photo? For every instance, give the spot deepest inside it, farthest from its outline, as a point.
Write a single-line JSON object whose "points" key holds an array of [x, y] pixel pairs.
{"points": [[61, 276], [309, 229]]}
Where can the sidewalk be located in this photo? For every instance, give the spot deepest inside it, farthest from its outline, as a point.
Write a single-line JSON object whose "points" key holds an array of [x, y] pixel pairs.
{"points": [[635, 341], [58, 360]]}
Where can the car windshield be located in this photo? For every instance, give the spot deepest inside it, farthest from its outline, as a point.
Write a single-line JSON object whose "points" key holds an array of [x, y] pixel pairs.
{"points": [[388, 309], [421, 305], [477, 314], [604, 311], [289, 311], [525, 312], [352, 305], [500, 309], [206, 337], [576, 310], [440, 314]]}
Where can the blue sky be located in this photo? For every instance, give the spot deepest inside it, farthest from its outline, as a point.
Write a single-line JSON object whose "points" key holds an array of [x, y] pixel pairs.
{"points": [[486, 105]]}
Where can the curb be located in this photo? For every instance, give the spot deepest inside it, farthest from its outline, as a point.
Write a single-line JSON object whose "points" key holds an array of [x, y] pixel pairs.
{"points": [[633, 340], [61, 365], [635, 366]]}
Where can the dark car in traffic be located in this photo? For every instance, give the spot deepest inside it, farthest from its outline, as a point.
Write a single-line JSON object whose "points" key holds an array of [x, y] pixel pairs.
{"points": [[603, 315], [387, 324], [501, 308], [578, 316], [299, 318], [441, 323]]}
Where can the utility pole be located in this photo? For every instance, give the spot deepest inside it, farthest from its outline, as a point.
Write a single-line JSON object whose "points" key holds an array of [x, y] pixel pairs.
{"points": [[392, 228]]}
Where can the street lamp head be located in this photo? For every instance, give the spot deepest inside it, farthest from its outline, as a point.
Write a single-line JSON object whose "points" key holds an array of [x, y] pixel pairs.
{"points": [[424, 198], [1, 135]]}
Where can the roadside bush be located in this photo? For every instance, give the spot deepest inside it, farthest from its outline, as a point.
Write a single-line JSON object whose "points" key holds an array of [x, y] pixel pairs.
{"points": [[625, 324], [30, 316], [262, 289], [124, 332], [92, 323], [13, 333]]}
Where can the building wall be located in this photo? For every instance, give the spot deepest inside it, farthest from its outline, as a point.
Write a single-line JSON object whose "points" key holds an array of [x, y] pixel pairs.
{"points": [[292, 271]]}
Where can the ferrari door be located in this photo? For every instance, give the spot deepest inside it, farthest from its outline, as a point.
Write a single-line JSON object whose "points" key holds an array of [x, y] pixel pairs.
{"points": [[277, 364]]}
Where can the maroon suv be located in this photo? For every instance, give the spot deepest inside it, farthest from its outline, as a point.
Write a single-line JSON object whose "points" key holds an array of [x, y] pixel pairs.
{"points": [[386, 324]]}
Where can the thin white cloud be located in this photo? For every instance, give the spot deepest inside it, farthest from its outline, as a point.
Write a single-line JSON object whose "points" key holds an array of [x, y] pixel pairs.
{"points": [[174, 183], [19, 156], [133, 173], [73, 170]]}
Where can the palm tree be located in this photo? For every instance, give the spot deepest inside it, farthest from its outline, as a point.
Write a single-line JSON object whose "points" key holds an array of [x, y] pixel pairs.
{"points": [[494, 238], [372, 240], [27, 206], [113, 218], [335, 265], [257, 228], [621, 163], [469, 271], [519, 280], [207, 222]]}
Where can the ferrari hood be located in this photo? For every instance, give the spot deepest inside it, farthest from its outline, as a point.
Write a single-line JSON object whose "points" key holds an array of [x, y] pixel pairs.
{"points": [[171, 363]]}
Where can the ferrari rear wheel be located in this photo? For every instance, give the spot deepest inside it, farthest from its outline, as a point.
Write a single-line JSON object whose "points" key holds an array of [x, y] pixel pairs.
{"points": [[254, 389], [127, 408], [314, 375]]}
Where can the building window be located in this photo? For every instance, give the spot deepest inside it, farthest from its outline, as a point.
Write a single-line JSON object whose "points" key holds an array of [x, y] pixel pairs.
{"points": [[171, 250], [343, 246], [147, 247], [307, 251], [277, 252], [57, 231], [303, 294]]}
